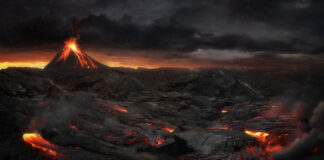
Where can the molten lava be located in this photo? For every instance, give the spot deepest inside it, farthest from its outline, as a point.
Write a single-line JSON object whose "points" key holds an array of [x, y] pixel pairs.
{"points": [[39, 142], [270, 143], [71, 46], [224, 127], [226, 110], [118, 109], [261, 136], [44, 104], [158, 142], [73, 127], [170, 130]]}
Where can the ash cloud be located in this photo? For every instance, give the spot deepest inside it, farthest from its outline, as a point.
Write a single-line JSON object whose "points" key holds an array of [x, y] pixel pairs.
{"points": [[185, 26]]}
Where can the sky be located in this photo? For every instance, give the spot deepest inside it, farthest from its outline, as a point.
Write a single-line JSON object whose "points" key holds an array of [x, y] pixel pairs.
{"points": [[166, 33]]}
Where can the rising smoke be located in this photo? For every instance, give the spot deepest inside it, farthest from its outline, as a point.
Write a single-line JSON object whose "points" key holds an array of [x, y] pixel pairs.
{"points": [[306, 104]]}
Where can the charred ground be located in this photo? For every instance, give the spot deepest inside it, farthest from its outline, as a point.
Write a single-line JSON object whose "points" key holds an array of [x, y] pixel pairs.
{"points": [[118, 113]]}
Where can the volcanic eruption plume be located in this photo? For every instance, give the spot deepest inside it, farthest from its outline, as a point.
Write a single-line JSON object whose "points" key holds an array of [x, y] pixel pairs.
{"points": [[71, 47], [71, 56]]}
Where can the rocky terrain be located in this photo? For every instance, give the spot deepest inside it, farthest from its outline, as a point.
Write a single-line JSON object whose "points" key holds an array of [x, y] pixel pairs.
{"points": [[118, 113]]}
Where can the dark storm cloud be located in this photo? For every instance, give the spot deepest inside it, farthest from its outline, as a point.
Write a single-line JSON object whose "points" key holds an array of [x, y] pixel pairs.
{"points": [[125, 33], [292, 26]]}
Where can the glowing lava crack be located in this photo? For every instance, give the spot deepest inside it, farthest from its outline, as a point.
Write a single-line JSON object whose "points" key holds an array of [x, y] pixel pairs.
{"points": [[37, 141], [259, 135]]}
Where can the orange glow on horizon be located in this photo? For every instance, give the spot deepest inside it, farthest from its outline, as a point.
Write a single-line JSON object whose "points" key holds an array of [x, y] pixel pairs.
{"points": [[39, 57], [36, 58], [5, 65]]}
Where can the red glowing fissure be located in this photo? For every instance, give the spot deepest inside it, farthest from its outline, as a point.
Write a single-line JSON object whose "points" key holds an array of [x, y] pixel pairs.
{"points": [[38, 142]]}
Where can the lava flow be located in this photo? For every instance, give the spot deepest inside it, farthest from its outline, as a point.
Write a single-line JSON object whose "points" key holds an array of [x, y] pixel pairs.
{"points": [[71, 46], [226, 110], [170, 130], [158, 142], [115, 108], [270, 143], [37, 141], [224, 127], [261, 136], [118, 109]]}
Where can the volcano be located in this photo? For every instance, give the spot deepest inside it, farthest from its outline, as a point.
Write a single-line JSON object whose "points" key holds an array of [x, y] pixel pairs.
{"points": [[72, 57]]}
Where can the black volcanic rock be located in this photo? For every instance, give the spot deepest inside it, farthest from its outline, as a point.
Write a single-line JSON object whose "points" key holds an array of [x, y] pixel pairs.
{"points": [[188, 101], [25, 82]]}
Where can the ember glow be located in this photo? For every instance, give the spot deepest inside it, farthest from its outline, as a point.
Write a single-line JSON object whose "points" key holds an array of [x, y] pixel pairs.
{"points": [[263, 151], [224, 127], [44, 104], [158, 142], [273, 148], [261, 136], [315, 150], [73, 127], [226, 110], [37, 141], [118, 109], [71, 46], [4, 65], [170, 130]]}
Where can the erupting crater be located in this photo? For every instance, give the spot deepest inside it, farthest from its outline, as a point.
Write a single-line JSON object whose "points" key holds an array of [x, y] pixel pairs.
{"points": [[73, 57]]}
